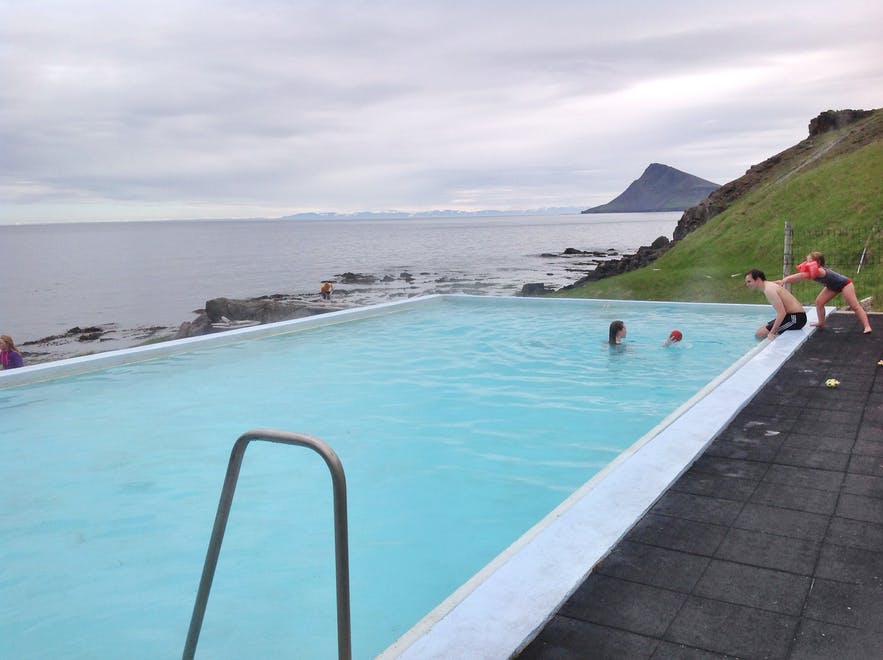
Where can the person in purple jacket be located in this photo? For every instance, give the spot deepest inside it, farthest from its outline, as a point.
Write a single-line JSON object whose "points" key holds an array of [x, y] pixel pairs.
{"points": [[9, 355]]}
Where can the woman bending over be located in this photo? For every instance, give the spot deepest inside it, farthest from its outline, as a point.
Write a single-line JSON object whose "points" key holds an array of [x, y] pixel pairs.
{"points": [[833, 282]]}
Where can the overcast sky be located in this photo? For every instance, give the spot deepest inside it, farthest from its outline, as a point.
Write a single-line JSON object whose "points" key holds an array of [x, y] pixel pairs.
{"points": [[214, 109]]}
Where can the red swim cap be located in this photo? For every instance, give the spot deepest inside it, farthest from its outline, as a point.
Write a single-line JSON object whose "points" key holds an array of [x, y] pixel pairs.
{"points": [[676, 335]]}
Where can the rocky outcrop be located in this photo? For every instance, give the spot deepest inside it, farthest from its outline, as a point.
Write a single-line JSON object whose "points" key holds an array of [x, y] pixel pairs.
{"points": [[832, 120], [267, 309], [645, 255], [768, 171]]}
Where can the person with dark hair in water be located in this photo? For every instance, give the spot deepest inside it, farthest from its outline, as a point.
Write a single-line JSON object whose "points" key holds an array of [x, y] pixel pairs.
{"points": [[617, 333]]}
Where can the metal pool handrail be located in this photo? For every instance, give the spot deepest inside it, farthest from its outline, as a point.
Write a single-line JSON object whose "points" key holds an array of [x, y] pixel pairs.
{"points": [[341, 544]]}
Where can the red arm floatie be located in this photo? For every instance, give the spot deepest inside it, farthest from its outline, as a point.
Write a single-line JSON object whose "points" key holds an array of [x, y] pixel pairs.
{"points": [[809, 268]]}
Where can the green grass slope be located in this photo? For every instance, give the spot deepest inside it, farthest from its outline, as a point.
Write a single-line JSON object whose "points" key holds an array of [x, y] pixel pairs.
{"points": [[833, 199]]}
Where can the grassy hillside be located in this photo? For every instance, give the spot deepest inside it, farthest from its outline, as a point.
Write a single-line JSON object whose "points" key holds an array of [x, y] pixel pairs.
{"points": [[832, 193]]}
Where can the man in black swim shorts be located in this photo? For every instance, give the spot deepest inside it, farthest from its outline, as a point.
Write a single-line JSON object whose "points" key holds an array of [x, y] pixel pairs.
{"points": [[791, 322], [790, 314]]}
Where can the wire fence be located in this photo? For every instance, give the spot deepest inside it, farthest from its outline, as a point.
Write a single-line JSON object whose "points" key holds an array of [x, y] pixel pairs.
{"points": [[851, 252], [846, 250]]}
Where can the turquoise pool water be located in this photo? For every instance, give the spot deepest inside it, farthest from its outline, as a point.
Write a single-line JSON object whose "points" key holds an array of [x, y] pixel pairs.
{"points": [[460, 422]]}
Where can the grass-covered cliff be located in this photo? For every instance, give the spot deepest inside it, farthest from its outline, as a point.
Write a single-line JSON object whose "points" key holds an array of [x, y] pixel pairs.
{"points": [[829, 186]]}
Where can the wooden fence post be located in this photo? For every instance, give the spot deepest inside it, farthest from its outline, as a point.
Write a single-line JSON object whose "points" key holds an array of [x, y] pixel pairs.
{"points": [[786, 257]]}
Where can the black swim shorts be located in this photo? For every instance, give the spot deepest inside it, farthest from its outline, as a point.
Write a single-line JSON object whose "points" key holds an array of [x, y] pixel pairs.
{"points": [[791, 322]]}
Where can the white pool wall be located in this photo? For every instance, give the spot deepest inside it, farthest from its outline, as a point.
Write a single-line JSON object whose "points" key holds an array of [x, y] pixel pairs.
{"points": [[108, 359]]}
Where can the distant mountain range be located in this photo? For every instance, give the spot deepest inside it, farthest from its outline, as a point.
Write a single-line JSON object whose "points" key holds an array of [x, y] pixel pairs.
{"points": [[439, 213], [660, 188]]}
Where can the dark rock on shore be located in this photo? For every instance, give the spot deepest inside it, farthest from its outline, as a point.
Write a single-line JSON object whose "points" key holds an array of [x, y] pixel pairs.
{"points": [[228, 312], [533, 289], [643, 257], [91, 333], [356, 278], [78, 341]]}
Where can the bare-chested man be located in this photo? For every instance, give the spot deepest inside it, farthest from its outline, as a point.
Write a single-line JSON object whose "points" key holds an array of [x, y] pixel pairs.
{"points": [[790, 314]]}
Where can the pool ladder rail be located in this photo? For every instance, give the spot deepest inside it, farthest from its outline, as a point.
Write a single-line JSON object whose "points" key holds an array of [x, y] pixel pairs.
{"points": [[341, 543]]}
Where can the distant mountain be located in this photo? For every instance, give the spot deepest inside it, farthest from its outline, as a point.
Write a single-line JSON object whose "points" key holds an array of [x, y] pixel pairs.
{"points": [[660, 188]]}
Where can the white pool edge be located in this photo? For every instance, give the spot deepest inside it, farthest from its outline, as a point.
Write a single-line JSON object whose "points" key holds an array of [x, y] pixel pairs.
{"points": [[86, 363], [504, 606]]}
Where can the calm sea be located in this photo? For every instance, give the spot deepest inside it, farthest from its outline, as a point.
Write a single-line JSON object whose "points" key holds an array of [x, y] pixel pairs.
{"points": [[139, 274]]}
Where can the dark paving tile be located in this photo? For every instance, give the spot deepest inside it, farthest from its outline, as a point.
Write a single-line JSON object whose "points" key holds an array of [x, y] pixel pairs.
{"points": [[744, 632], [813, 458], [657, 567], [855, 534], [870, 432], [699, 508], [815, 420], [870, 465], [754, 430], [817, 640], [755, 587], [824, 442], [784, 522], [751, 449], [862, 484], [844, 402], [850, 605], [769, 551], [795, 497], [868, 447], [787, 383], [729, 467], [847, 564], [671, 651], [728, 488], [766, 415], [678, 534], [567, 639], [874, 414], [860, 507], [630, 606], [790, 475]]}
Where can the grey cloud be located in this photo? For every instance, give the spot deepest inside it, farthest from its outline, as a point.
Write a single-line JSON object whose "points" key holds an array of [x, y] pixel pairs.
{"points": [[351, 105]]}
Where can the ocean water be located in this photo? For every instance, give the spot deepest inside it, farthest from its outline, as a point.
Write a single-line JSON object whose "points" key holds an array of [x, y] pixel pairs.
{"points": [[139, 274]]}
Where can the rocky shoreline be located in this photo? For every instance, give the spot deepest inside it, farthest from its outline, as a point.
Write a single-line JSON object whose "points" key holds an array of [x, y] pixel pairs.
{"points": [[221, 314]]}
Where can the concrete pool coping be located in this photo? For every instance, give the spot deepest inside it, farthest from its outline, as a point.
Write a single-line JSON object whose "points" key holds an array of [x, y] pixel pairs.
{"points": [[501, 608]]}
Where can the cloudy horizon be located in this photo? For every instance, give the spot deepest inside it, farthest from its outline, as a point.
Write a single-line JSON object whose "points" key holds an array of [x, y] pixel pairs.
{"points": [[195, 109]]}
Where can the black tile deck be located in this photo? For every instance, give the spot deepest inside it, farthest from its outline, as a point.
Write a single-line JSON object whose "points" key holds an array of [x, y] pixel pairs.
{"points": [[771, 544]]}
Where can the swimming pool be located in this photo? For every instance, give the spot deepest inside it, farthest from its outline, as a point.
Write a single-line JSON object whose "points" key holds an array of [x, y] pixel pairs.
{"points": [[112, 476]]}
